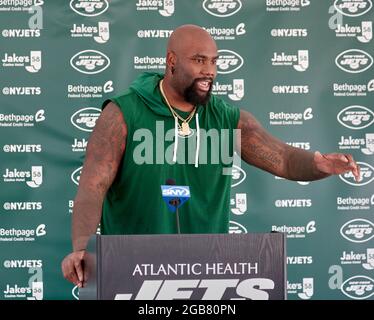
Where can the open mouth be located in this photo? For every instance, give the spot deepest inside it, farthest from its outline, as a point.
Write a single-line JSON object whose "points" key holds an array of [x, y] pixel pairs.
{"points": [[203, 85]]}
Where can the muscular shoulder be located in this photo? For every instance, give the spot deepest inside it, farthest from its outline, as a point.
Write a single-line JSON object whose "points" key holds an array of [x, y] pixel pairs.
{"points": [[111, 125], [247, 121], [124, 100]]}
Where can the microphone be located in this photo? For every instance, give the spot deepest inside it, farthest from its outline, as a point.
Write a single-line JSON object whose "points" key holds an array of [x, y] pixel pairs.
{"points": [[170, 182], [174, 202], [175, 196]]}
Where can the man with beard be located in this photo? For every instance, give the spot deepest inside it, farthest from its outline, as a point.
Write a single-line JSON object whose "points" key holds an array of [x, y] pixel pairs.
{"points": [[138, 143]]}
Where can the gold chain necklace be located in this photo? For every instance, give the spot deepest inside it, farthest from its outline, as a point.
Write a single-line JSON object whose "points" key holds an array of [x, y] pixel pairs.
{"points": [[184, 129]]}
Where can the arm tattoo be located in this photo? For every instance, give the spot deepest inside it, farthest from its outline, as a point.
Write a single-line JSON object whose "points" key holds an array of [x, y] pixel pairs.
{"points": [[259, 154], [259, 148], [104, 153]]}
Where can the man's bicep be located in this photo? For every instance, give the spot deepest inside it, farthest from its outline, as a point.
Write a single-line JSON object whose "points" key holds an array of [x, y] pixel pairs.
{"points": [[105, 149], [258, 147]]}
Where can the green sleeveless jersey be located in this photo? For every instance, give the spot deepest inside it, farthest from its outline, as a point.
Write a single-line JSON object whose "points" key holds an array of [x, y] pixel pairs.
{"points": [[202, 161]]}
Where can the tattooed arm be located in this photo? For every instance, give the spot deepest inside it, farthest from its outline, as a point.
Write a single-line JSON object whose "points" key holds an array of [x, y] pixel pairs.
{"points": [[259, 148], [105, 149]]}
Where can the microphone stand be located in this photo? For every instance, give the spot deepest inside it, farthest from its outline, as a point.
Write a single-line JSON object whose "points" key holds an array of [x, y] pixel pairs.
{"points": [[175, 203], [178, 227]]}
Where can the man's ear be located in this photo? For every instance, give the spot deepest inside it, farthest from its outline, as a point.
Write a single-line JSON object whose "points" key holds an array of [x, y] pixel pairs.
{"points": [[171, 59]]}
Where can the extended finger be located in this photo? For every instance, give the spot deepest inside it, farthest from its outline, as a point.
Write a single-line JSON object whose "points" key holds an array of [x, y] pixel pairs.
{"points": [[69, 273], [344, 158], [79, 270], [358, 174], [355, 168]]}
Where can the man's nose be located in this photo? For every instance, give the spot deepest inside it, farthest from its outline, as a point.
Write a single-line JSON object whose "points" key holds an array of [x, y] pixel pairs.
{"points": [[209, 70]]}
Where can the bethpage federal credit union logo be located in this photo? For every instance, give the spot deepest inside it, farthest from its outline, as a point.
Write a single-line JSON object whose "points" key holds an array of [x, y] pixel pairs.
{"points": [[353, 90], [358, 287], [366, 175], [89, 8], [304, 290], [236, 228], [286, 5], [296, 231], [365, 144], [354, 61], [353, 8], [221, 33], [8, 235], [100, 33], [356, 117], [149, 63], [290, 118], [19, 5], [366, 260], [357, 230], [363, 32], [165, 8], [85, 119], [32, 63], [90, 61], [234, 90], [222, 8], [350, 203], [91, 91], [239, 204], [299, 62], [21, 120], [76, 175], [228, 61], [33, 178], [71, 206]]}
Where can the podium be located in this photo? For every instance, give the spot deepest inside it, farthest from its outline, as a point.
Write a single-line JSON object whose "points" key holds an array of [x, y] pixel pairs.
{"points": [[187, 266]]}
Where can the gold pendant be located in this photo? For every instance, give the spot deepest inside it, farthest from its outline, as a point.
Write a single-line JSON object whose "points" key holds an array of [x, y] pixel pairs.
{"points": [[185, 129]]}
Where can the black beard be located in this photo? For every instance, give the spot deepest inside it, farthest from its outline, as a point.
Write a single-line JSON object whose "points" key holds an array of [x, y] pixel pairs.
{"points": [[192, 96]]}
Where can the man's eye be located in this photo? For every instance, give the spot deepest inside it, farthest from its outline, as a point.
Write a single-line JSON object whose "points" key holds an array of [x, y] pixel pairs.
{"points": [[198, 60]]}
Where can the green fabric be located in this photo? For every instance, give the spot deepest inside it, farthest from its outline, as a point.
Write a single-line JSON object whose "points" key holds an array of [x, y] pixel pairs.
{"points": [[133, 204]]}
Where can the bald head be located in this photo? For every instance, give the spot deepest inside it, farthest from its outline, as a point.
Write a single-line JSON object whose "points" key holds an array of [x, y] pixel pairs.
{"points": [[191, 64], [188, 37]]}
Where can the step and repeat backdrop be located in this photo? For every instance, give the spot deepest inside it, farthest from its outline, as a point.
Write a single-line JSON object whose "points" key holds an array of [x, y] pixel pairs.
{"points": [[304, 68]]}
